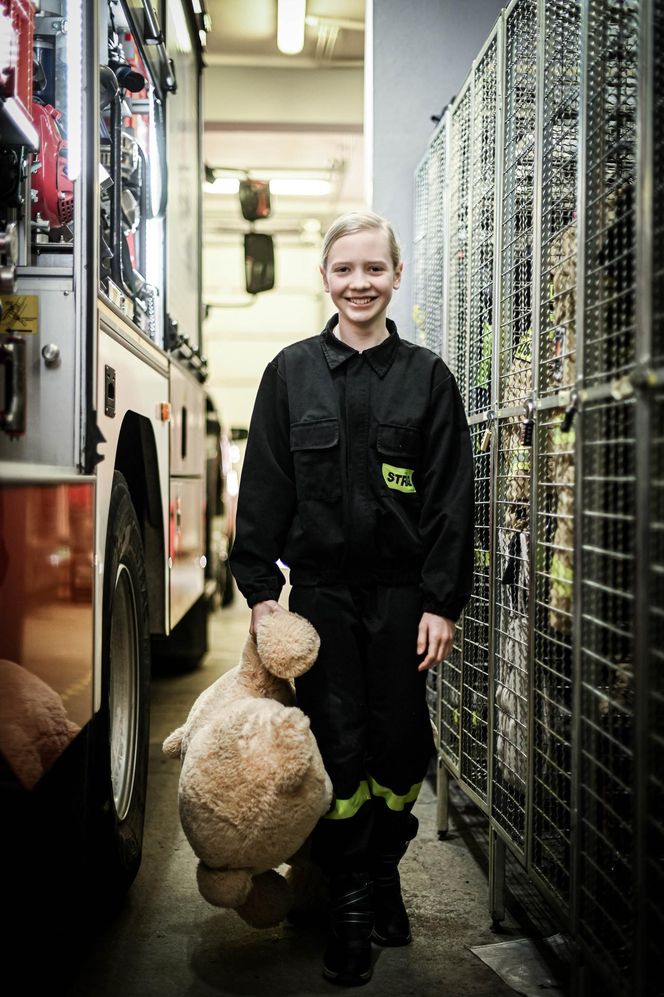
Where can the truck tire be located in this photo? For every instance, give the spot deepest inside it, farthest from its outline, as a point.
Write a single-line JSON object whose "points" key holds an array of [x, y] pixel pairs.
{"points": [[121, 729]]}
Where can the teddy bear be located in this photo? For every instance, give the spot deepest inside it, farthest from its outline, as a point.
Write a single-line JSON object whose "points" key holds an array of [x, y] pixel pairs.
{"points": [[252, 781], [34, 726]]}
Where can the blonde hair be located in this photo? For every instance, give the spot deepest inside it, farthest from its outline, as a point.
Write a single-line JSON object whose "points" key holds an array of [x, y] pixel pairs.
{"points": [[360, 221]]}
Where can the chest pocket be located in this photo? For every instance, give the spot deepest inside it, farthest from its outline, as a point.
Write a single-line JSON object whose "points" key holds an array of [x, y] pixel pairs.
{"points": [[315, 449], [399, 449]]}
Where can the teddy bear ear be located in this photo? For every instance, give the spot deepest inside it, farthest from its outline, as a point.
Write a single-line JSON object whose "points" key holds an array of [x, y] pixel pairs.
{"points": [[287, 644], [293, 748]]}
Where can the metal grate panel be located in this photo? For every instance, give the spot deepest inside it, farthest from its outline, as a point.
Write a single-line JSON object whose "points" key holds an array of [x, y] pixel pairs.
{"points": [[433, 701], [606, 735], [450, 702], [654, 878], [610, 144], [517, 200], [435, 244], [560, 112], [512, 652], [459, 181], [475, 666], [420, 250], [658, 181], [552, 674], [482, 227]]}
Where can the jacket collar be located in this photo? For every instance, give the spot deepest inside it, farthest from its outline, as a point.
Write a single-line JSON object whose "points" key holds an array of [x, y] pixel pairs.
{"points": [[378, 357]]}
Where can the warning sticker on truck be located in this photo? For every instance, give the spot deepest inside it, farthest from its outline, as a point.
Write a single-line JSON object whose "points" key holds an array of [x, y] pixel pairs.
{"points": [[19, 313]]}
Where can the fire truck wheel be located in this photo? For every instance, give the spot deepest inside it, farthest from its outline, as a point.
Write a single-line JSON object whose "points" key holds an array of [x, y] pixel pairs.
{"points": [[122, 725]]}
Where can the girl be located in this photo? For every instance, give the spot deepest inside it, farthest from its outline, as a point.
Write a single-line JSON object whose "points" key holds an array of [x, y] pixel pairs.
{"points": [[358, 476]]}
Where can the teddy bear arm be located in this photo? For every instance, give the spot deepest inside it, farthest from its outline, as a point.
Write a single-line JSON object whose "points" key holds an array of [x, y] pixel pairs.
{"points": [[224, 887], [172, 746], [268, 902]]}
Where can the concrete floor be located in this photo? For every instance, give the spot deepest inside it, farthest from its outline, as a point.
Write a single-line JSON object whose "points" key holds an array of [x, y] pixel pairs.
{"points": [[168, 942]]}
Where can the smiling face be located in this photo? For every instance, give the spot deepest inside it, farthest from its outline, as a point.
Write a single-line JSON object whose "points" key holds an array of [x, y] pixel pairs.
{"points": [[360, 278]]}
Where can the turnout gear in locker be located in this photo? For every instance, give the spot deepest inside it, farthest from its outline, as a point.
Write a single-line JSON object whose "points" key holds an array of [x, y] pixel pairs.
{"points": [[358, 470]]}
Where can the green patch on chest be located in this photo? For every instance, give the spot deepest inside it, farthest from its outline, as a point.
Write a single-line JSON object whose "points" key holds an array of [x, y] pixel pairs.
{"points": [[398, 478]]}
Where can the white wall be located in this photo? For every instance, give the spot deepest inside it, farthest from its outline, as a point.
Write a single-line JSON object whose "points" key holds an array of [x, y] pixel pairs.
{"points": [[284, 118], [421, 53], [242, 336]]}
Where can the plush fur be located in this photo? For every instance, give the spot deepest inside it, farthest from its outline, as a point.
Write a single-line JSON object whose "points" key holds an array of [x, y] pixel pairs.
{"points": [[34, 726], [252, 783]]}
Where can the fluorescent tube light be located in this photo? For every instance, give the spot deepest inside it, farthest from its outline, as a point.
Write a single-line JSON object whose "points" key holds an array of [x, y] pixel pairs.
{"points": [[292, 186], [300, 187], [223, 185], [290, 26]]}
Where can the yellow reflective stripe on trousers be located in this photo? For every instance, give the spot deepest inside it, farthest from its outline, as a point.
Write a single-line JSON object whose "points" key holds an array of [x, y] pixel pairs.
{"points": [[393, 801], [348, 808]]}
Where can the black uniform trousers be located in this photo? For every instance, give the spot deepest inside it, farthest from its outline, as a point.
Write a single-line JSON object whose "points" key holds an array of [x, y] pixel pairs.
{"points": [[367, 706]]}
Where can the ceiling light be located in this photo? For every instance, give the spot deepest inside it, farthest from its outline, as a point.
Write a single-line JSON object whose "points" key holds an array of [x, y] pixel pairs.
{"points": [[290, 26], [223, 185], [300, 187]]}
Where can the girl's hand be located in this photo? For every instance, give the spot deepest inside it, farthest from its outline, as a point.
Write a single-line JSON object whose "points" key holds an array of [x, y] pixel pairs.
{"points": [[435, 636], [260, 610]]}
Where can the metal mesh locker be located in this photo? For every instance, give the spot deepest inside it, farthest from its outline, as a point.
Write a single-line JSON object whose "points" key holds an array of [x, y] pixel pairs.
{"points": [[654, 870], [553, 528], [654, 836], [482, 227], [420, 250], [511, 640], [611, 44], [450, 702], [435, 242], [657, 124], [607, 577], [518, 167], [606, 721], [561, 85], [552, 665], [551, 705], [474, 717], [511, 582], [459, 191]]}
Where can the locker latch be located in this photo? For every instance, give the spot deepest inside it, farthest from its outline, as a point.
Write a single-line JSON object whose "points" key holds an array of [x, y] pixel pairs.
{"points": [[570, 412], [528, 424]]}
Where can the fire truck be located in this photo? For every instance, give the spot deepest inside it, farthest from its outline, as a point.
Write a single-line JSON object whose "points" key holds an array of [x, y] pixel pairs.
{"points": [[102, 412]]}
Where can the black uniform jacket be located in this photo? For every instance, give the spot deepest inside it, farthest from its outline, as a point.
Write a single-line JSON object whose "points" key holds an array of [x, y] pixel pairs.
{"points": [[358, 470]]}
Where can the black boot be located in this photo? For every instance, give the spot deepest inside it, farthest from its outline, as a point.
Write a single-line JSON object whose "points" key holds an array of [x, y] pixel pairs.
{"points": [[391, 925], [348, 954]]}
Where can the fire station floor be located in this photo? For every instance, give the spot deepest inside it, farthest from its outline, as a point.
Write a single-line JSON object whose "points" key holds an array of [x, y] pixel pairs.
{"points": [[168, 942]]}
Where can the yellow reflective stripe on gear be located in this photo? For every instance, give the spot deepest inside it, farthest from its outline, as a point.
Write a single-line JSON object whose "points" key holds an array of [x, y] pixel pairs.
{"points": [[393, 801], [398, 478], [348, 808]]}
